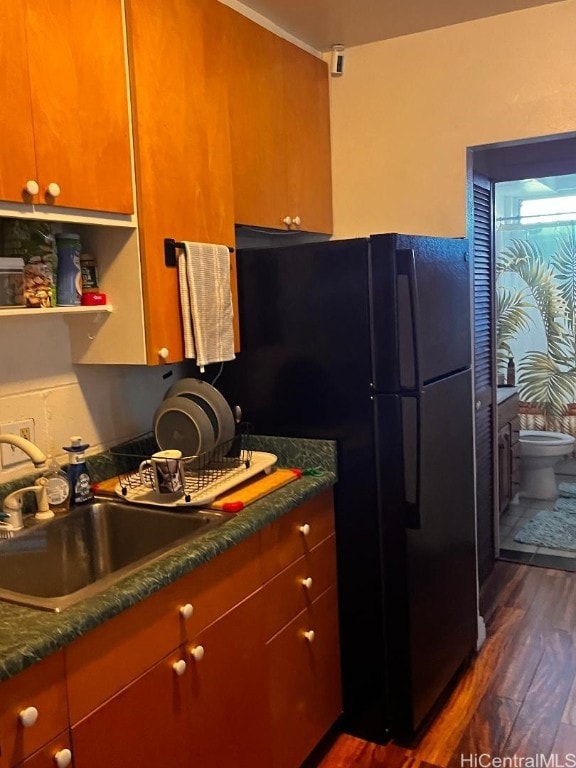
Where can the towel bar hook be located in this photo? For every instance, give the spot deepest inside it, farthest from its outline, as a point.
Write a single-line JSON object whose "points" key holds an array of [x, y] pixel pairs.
{"points": [[170, 246]]}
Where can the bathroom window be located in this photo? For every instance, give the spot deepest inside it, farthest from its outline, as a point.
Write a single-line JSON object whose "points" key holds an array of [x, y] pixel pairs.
{"points": [[535, 253], [548, 210]]}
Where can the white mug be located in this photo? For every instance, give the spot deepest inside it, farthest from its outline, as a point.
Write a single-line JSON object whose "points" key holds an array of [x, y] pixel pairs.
{"points": [[163, 472]]}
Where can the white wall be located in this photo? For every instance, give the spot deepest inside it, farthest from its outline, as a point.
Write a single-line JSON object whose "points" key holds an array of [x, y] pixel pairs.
{"points": [[104, 404], [406, 109]]}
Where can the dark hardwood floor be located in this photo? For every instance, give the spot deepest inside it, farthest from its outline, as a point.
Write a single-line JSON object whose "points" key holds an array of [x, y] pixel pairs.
{"points": [[518, 698]]}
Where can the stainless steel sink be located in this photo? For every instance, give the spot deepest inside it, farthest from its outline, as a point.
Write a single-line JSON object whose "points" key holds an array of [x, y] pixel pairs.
{"points": [[54, 564]]}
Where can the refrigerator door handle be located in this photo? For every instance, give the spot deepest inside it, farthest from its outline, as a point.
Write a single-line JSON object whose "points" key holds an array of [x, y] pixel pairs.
{"points": [[411, 460], [407, 319]]}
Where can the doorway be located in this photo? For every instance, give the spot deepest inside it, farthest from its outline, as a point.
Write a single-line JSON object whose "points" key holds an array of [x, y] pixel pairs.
{"points": [[495, 454]]}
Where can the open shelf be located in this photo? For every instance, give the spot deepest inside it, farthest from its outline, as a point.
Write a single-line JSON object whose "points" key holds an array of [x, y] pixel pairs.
{"points": [[33, 312]]}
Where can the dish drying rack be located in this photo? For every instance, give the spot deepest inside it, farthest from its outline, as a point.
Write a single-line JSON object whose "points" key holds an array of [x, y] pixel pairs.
{"points": [[207, 475]]}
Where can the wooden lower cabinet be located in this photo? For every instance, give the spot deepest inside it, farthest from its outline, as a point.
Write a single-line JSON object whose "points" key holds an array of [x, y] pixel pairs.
{"points": [[213, 671], [56, 754], [304, 681], [229, 711], [215, 714], [41, 687], [145, 725]]}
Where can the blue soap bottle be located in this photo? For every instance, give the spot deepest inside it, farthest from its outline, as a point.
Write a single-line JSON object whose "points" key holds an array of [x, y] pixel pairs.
{"points": [[78, 472]]}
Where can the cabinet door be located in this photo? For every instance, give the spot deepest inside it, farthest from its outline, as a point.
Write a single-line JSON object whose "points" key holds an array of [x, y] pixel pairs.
{"points": [[280, 128], [58, 749], [183, 165], [42, 687], [17, 161], [304, 681], [79, 103], [257, 123], [229, 718], [307, 141], [144, 725]]}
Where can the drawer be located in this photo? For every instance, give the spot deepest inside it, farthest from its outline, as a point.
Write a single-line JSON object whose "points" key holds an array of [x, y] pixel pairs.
{"points": [[103, 661], [41, 686], [295, 534], [296, 587]]}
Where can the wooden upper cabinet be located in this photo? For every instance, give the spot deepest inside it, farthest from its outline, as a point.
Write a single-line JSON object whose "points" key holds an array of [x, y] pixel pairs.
{"points": [[182, 146], [64, 113], [17, 161], [280, 129], [256, 129], [307, 150]]}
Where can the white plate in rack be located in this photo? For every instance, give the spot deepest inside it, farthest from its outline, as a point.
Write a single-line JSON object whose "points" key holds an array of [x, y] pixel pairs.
{"points": [[134, 491]]}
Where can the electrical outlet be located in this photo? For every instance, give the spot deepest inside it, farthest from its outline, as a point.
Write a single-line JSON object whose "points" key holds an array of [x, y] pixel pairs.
{"points": [[10, 454]]}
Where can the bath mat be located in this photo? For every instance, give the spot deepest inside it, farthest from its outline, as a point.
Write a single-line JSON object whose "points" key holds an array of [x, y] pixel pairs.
{"points": [[555, 529], [567, 490], [567, 505]]}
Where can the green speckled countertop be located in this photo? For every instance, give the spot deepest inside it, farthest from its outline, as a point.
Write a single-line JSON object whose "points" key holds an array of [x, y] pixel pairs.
{"points": [[28, 634]]}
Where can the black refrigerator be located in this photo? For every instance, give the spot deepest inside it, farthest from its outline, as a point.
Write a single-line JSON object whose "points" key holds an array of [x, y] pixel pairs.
{"points": [[368, 342]]}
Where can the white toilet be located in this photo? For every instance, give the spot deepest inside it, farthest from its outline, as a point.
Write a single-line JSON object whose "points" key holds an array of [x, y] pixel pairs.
{"points": [[539, 453]]}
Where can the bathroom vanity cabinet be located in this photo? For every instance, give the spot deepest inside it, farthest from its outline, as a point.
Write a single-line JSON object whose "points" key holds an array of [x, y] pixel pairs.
{"points": [[508, 446]]}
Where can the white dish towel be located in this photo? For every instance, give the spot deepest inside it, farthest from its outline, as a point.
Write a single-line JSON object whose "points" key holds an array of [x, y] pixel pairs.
{"points": [[206, 302]]}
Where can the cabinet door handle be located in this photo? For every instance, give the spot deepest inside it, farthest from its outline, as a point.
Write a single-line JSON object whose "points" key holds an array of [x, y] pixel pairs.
{"points": [[179, 667], [63, 758], [187, 610], [28, 716], [287, 220], [296, 221], [32, 187], [53, 189], [304, 529], [307, 583], [164, 353], [197, 652], [310, 635]]}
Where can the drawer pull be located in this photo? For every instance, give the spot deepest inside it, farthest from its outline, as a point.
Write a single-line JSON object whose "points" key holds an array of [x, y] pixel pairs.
{"points": [[187, 610], [197, 653], [179, 667], [304, 529], [310, 635], [63, 758], [28, 716], [307, 583]]}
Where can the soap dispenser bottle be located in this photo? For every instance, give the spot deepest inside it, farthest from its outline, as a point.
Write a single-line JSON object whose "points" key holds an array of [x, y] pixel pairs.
{"points": [[57, 487], [511, 372], [78, 472]]}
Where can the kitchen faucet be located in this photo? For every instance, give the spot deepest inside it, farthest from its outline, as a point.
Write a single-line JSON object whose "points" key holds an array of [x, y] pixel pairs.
{"points": [[11, 515]]}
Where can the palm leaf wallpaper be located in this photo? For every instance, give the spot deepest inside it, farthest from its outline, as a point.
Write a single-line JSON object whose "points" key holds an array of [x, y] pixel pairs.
{"points": [[536, 319]]}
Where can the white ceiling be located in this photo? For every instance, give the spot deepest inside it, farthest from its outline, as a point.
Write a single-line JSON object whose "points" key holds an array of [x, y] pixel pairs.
{"points": [[323, 23]]}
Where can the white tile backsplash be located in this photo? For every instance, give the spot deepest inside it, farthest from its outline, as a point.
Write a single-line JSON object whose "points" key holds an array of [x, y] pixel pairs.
{"points": [[104, 404]]}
